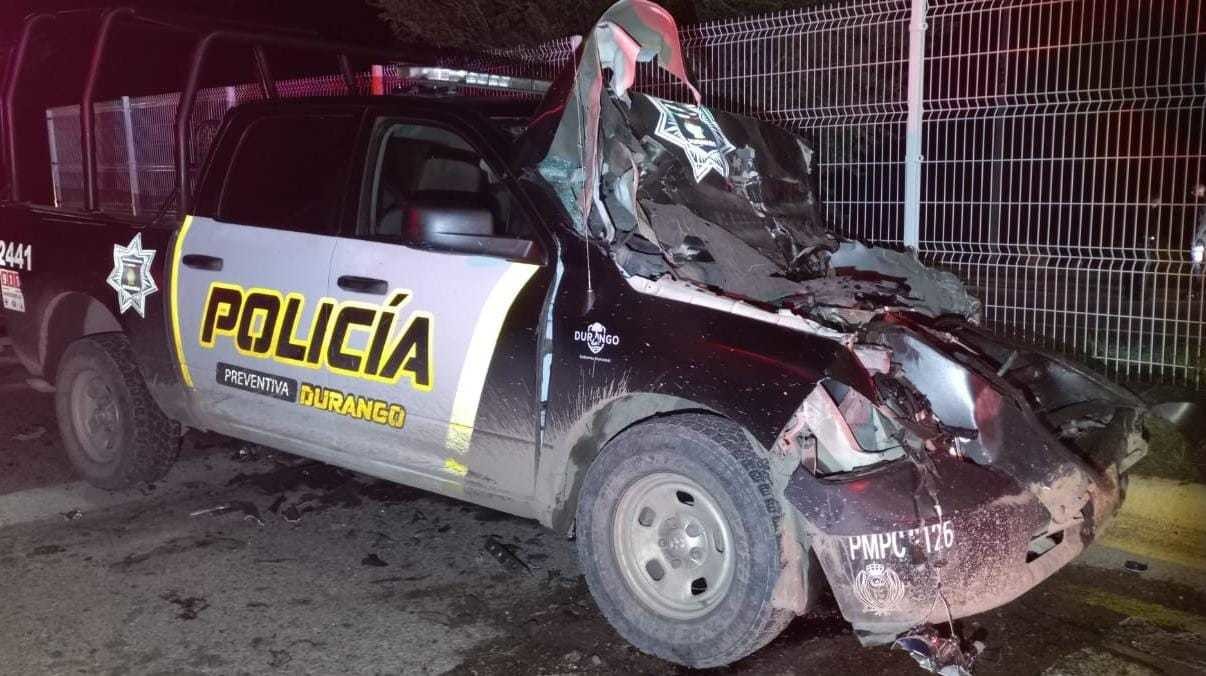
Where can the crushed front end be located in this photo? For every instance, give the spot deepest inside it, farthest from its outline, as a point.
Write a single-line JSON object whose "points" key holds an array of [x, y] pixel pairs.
{"points": [[968, 472], [959, 470]]}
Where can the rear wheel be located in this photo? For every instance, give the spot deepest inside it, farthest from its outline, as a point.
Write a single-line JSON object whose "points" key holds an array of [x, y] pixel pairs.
{"points": [[113, 431], [677, 539]]}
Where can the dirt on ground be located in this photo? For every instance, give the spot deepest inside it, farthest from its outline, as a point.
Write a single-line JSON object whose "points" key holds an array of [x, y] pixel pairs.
{"points": [[288, 563], [276, 563]]}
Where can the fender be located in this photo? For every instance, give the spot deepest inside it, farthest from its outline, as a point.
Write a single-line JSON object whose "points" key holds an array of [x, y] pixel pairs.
{"points": [[69, 316], [563, 468], [575, 444]]}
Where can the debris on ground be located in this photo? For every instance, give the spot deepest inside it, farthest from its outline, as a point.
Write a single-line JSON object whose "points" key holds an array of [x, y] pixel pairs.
{"points": [[72, 515], [250, 511], [938, 654], [279, 658], [290, 514], [572, 657], [205, 440], [381, 538], [506, 556], [1135, 566], [373, 560], [46, 550], [190, 606], [246, 453], [30, 433]]}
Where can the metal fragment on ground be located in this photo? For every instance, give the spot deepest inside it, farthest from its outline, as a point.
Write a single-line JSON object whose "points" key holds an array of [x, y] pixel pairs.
{"points": [[936, 653], [250, 511], [30, 433], [504, 554], [373, 560]]}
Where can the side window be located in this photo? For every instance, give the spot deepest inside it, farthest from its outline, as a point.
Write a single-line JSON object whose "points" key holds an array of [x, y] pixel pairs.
{"points": [[431, 189], [287, 172]]}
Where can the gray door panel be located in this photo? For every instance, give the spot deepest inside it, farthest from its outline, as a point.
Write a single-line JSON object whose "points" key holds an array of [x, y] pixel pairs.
{"points": [[463, 301]]}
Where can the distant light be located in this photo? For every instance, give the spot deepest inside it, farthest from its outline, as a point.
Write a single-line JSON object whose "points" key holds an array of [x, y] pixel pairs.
{"points": [[474, 79]]}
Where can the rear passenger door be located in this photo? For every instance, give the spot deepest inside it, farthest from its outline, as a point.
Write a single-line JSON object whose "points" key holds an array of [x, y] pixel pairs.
{"points": [[251, 270], [447, 264]]}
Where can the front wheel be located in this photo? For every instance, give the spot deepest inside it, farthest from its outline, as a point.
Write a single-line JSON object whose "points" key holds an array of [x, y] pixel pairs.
{"points": [[113, 431], [677, 539]]}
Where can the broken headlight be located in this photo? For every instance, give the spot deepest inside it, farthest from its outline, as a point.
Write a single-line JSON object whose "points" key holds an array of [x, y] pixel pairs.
{"points": [[837, 430]]}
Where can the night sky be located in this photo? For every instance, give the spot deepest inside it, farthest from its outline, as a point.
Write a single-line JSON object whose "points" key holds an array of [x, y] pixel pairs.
{"points": [[344, 20]]}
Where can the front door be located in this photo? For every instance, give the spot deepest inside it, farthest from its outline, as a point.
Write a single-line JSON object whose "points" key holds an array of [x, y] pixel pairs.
{"points": [[447, 280]]}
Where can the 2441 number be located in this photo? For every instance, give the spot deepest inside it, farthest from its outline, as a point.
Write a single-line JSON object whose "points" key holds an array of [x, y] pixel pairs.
{"points": [[16, 255]]}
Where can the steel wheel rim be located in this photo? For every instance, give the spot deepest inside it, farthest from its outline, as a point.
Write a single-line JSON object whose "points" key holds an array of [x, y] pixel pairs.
{"points": [[673, 545], [95, 416]]}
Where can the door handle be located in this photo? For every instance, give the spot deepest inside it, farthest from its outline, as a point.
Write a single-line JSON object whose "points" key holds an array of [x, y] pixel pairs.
{"points": [[203, 262], [363, 284]]}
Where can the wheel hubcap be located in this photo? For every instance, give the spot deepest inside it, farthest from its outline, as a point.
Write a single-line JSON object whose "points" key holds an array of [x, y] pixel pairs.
{"points": [[95, 416], [673, 545]]}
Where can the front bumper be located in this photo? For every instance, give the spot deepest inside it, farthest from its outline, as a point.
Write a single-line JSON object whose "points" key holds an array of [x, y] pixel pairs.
{"points": [[894, 562]]}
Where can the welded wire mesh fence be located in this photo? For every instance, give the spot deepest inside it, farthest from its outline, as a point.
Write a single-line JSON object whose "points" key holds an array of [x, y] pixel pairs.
{"points": [[1064, 164], [1064, 158]]}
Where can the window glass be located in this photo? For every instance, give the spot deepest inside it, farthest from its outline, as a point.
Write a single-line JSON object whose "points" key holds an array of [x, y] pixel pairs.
{"points": [[425, 167], [287, 172]]}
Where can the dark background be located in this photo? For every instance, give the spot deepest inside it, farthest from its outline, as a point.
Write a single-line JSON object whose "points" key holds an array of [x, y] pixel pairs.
{"points": [[349, 20]]}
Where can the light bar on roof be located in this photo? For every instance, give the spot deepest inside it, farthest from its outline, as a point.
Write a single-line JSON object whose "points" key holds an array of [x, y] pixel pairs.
{"points": [[471, 79]]}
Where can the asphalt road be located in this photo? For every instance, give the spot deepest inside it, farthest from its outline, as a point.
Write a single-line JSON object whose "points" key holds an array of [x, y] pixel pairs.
{"points": [[306, 568]]}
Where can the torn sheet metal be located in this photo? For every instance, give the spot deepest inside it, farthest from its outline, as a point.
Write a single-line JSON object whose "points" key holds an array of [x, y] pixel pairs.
{"points": [[746, 178], [682, 190], [630, 31], [935, 292], [1023, 454]]}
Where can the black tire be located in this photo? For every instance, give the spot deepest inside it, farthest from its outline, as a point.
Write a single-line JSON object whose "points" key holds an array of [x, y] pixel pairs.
{"points": [[141, 442], [715, 454]]}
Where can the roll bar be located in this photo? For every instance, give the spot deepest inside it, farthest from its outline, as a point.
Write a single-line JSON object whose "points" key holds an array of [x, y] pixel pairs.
{"points": [[209, 32]]}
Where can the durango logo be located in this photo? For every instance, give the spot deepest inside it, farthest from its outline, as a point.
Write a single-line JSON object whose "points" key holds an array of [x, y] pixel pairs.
{"points": [[263, 323]]}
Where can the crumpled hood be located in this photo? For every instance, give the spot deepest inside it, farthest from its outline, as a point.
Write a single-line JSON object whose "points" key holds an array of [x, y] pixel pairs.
{"points": [[722, 200]]}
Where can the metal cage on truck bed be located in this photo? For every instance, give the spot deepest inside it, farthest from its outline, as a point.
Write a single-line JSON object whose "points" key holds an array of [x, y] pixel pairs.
{"points": [[139, 155]]}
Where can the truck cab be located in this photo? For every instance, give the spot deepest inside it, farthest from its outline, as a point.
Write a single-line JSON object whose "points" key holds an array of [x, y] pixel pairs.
{"points": [[350, 269]]}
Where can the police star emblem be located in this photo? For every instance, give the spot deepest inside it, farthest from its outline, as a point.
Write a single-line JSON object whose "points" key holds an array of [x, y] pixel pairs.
{"points": [[694, 131], [131, 277]]}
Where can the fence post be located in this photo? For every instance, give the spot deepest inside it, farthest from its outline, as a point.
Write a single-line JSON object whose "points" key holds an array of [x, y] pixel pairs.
{"points": [[131, 158], [916, 84]]}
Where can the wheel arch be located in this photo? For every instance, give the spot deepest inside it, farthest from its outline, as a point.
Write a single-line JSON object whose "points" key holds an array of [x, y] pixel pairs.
{"points": [[69, 316], [563, 472], [564, 465]]}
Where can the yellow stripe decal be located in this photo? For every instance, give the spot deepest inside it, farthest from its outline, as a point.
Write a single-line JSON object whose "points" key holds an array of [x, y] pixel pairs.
{"points": [[454, 466], [176, 254], [481, 350]]}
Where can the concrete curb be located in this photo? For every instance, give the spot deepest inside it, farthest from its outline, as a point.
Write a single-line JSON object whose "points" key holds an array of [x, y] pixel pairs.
{"points": [[1162, 519], [36, 504]]}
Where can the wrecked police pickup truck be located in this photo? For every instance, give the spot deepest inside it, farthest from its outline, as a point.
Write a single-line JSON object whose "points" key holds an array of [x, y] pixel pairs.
{"points": [[630, 323]]}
